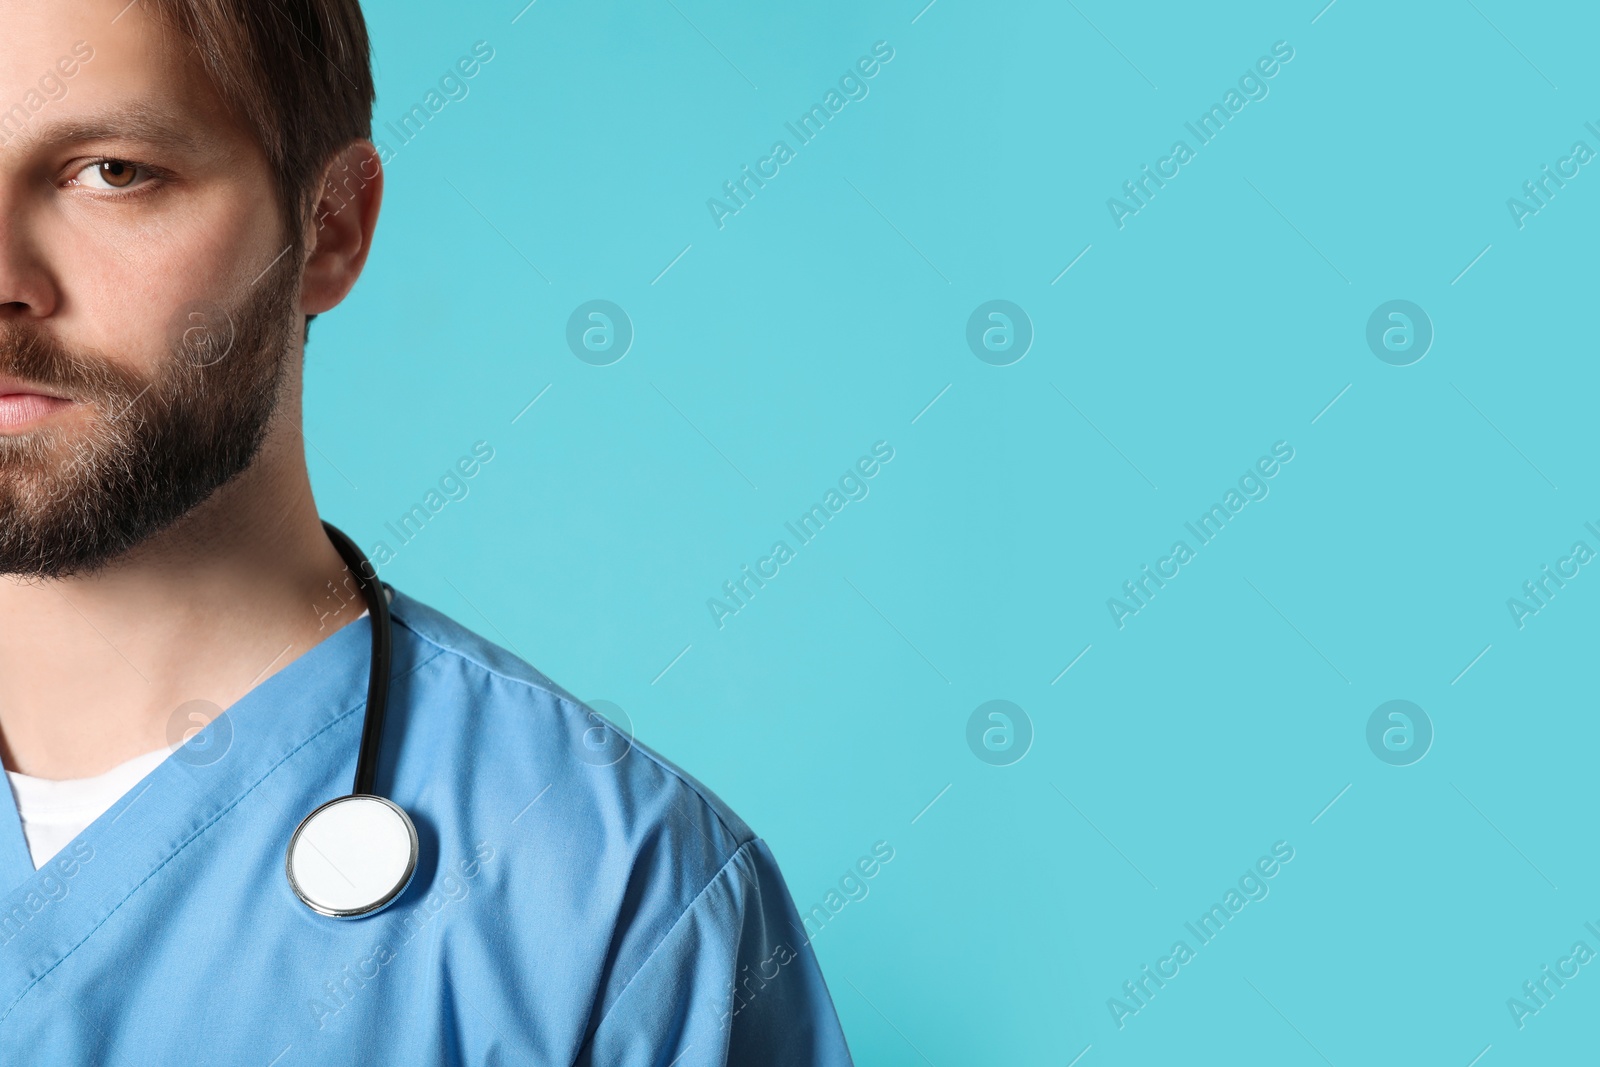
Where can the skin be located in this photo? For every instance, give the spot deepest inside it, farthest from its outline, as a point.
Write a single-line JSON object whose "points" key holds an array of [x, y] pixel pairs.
{"points": [[93, 669]]}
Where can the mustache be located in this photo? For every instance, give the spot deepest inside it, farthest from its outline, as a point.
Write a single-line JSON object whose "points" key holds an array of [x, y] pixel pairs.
{"points": [[33, 355]]}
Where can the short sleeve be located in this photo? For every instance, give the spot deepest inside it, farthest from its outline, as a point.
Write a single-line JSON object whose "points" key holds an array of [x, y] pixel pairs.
{"points": [[734, 981]]}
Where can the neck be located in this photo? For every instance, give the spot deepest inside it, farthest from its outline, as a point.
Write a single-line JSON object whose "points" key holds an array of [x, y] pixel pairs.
{"points": [[95, 669]]}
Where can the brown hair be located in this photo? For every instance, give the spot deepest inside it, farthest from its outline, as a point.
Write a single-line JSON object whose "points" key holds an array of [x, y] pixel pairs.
{"points": [[298, 72]]}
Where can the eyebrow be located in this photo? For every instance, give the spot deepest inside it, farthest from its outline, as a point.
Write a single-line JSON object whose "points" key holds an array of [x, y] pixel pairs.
{"points": [[136, 122]]}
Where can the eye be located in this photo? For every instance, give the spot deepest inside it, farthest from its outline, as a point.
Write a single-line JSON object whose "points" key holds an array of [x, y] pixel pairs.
{"points": [[112, 175]]}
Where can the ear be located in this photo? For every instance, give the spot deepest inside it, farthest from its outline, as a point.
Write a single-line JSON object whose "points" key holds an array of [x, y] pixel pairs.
{"points": [[338, 236]]}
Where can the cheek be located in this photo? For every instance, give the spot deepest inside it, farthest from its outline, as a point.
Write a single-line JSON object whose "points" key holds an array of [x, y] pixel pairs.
{"points": [[118, 309], [135, 281]]}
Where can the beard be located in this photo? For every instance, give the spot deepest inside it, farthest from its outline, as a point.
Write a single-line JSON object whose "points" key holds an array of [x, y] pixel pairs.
{"points": [[75, 496]]}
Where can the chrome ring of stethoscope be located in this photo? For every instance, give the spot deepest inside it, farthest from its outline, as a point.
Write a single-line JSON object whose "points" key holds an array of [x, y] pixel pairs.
{"points": [[353, 855]]}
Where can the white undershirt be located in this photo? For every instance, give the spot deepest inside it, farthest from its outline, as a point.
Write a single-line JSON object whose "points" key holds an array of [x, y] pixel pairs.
{"points": [[55, 812]]}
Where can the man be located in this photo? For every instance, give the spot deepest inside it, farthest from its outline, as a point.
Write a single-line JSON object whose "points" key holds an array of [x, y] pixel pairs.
{"points": [[183, 183]]}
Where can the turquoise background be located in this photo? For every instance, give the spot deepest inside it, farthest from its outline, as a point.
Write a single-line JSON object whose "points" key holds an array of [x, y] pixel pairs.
{"points": [[1225, 316]]}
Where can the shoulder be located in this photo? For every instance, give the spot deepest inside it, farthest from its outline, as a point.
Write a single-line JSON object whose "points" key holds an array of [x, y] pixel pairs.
{"points": [[492, 733], [622, 900], [577, 842]]}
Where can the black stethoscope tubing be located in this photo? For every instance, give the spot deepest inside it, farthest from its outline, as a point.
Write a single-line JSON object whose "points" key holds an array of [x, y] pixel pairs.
{"points": [[382, 657]]}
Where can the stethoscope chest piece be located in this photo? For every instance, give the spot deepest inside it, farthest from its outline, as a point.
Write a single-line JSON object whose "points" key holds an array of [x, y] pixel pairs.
{"points": [[352, 856]]}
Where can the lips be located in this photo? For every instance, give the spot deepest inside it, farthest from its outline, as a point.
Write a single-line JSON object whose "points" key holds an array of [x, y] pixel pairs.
{"points": [[24, 406]]}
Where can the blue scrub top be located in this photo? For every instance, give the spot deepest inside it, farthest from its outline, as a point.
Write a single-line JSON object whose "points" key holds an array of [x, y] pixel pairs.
{"points": [[578, 899]]}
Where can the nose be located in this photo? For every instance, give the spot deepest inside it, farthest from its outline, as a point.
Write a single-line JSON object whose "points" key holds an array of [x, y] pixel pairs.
{"points": [[27, 290]]}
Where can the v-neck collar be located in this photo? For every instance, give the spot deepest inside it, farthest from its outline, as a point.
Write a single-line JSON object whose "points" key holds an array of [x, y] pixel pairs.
{"points": [[49, 912]]}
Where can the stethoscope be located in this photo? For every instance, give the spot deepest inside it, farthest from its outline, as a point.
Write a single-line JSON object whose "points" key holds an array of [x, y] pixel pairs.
{"points": [[356, 854]]}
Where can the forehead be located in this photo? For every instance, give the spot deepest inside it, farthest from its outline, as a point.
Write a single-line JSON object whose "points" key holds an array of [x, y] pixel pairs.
{"points": [[79, 69]]}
